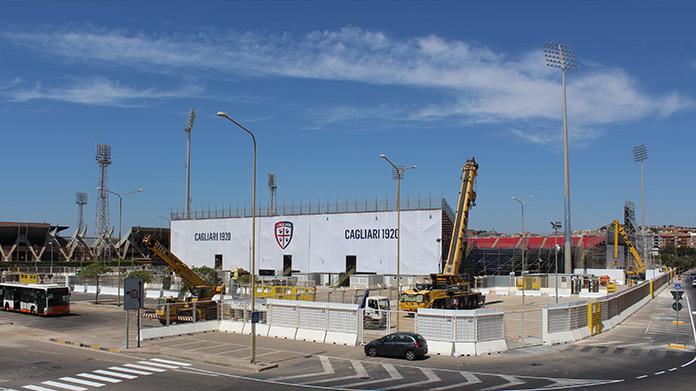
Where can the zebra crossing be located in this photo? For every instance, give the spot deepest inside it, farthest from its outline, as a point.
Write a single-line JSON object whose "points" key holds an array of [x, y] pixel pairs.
{"points": [[103, 377], [343, 373]]}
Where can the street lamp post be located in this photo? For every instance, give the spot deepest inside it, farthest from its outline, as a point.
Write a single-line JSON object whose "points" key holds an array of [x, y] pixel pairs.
{"points": [[524, 246], [560, 55], [640, 155], [556, 225], [253, 235], [399, 172], [120, 215]]}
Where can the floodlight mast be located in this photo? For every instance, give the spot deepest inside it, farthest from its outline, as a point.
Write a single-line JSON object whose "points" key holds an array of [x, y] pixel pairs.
{"points": [[189, 126], [640, 154], [560, 55]]}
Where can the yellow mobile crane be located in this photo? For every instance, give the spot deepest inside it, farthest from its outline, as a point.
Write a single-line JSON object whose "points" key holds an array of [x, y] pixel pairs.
{"points": [[632, 273], [183, 308], [450, 289]]}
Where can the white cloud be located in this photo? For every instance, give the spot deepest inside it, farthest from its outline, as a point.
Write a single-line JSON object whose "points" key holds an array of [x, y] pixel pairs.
{"points": [[95, 91], [477, 84]]}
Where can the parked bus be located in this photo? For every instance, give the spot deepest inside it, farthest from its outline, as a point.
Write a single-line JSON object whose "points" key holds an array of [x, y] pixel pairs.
{"points": [[46, 300]]}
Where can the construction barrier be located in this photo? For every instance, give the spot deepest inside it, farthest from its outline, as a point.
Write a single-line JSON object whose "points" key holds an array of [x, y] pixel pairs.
{"points": [[568, 322], [462, 332]]}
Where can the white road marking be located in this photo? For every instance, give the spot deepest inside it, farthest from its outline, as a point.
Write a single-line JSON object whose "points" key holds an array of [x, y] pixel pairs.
{"points": [[470, 379], [183, 364], [642, 377], [393, 375], [659, 373], [128, 370], [672, 369], [100, 378], [38, 388], [158, 365], [325, 363], [511, 382], [115, 374], [360, 373], [188, 370], [63, 385], [144, 367], [83, 382], [429, 374]]}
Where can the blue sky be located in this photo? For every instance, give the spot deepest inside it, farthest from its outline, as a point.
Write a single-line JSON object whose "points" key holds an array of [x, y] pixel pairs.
{"points": [[328, 86]]}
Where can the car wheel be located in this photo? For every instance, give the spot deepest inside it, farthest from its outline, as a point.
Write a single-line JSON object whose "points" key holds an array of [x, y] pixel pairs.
{"points": [[410, 355], [372, 352]]}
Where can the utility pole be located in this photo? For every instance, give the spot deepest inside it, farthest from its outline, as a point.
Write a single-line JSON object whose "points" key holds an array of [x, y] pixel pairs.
{"points": [[189, 126], [560, 55]]}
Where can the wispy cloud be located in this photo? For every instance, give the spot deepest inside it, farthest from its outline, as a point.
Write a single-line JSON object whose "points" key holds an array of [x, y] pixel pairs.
{"points": [[94, 91], [476, 83]]}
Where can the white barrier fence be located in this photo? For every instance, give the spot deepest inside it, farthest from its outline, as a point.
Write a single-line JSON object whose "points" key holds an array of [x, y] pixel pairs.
{"points": [[569, 322], [462, 332], [113, 291]]}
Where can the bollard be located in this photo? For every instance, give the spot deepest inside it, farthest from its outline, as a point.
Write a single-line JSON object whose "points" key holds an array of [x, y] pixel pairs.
{"points": [[194, 312]]}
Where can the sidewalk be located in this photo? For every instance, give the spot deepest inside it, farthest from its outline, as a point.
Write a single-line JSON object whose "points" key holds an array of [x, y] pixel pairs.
{"points": [[649, 329]]}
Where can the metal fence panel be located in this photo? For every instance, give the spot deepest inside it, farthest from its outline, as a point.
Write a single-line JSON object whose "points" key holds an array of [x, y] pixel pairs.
{"points": [[490, 327]]}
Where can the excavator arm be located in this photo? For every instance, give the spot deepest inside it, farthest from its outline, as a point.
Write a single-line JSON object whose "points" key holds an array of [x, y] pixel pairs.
{"points": [[467, 199], [174, 263], [619, 230]]}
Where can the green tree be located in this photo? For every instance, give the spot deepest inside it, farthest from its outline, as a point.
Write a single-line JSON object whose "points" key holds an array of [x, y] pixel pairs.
{"points": [[144, 274], [206, 273], [94, 270]]}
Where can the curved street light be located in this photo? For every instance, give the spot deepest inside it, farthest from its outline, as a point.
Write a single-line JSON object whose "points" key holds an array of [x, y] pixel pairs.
{"points": [[253, 234]]}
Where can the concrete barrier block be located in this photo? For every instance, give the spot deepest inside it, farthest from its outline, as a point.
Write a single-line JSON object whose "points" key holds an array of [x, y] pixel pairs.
{"points": [[440, 347], [490, 347], [153, 294], [209, 325], [261, 329], [310, 335], [231, 326], [348, 339], [463, 348], [282, 332]]}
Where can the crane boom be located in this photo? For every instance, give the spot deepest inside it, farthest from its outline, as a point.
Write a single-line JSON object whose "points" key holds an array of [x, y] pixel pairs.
{"points": [[174, 263], [467, 199], [619, 230]]}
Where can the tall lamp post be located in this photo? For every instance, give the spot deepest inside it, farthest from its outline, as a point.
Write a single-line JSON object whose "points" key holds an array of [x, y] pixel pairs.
{"points": [[120, 215], [253, 236], [556, 225], [560, 55], [524, 247], [189, 126], [640, 155], [398, 172]]}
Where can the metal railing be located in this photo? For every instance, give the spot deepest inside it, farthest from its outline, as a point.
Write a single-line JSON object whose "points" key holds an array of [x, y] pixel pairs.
{"points": [[318, 207]]}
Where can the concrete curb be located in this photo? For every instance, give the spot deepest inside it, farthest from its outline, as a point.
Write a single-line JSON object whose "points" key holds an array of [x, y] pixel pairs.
{"points": [[85, 345], [208, 358]]}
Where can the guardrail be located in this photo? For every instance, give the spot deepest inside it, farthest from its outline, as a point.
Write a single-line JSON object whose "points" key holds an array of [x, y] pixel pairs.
{"points": [[567, 322]]}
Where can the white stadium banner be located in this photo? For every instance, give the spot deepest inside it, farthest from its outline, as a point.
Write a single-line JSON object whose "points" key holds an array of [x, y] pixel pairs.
{"points": [[315, 243]]}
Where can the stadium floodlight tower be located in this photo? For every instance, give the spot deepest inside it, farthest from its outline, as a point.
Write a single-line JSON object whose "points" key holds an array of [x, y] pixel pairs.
{"points": [[189, 126], [640, 154], [272, 188], [103, 160], [80, 201], [560, 55]]}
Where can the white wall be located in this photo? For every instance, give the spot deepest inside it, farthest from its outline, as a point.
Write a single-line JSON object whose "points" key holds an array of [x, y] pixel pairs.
{"points": [[318, 244]]}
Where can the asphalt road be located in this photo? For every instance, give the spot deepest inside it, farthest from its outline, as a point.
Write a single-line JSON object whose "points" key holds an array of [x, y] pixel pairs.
{"points": [[632, 356]]}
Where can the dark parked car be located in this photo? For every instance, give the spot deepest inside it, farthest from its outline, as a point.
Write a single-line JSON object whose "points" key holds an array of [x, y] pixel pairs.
{"points": [[408, 345]]}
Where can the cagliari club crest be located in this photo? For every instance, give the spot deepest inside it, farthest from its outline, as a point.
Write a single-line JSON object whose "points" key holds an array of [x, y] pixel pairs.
{"points": [[283, 233]]}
